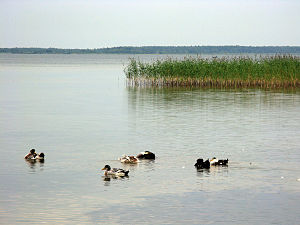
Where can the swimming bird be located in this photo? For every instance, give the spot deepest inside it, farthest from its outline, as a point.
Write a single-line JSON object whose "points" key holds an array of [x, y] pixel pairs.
{"points": [[128, 159], [213, 161], [218, 162], [146, 155], [200, 164], [40, 156], [31, 155], [223, 162], [115, 171]]}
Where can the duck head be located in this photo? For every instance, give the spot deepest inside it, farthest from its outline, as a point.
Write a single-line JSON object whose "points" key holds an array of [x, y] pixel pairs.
{"points": [[199, 161], [106, 168]]}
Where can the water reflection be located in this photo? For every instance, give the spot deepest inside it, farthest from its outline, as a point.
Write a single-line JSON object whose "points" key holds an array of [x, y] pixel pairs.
{"points": [[33, 163], [203, 172], [214, 170], [107, 179]]}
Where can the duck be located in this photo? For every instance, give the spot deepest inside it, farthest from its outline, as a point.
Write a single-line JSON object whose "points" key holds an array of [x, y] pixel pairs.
{"points": [[200, 164], [213, 161], [40, 156], [129, 159], [223, 162], [115, 171], [218, 162], [146, 155], [31, 155]]}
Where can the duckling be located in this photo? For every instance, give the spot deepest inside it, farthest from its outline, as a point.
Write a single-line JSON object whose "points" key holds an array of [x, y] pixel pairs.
{"points": [[115, 171], [146, 155], [202, 165], [128, 159]]}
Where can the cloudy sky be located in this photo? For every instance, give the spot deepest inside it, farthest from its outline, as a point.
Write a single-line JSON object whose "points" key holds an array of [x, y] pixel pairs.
{"points": [[109, 23]]}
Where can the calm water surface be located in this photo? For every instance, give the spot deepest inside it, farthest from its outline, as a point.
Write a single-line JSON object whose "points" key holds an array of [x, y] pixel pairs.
{"points": [[78, 110]]}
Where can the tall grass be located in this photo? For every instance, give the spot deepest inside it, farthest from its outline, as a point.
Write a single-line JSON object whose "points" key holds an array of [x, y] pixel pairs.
{"points": [[274, 72]]}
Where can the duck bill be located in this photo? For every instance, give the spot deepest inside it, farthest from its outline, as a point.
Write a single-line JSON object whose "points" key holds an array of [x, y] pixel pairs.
{"points": [[103, 169]]}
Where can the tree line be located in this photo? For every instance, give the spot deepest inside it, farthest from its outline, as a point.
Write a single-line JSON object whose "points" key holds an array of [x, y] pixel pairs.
{"points": [[230, 49]]}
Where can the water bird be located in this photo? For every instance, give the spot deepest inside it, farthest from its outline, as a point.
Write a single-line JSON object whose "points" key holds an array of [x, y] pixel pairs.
{"points": [[114, 171], [200, 164], [129, 159], [31, 155], [218, 162], [40, 156], [146, 155]]}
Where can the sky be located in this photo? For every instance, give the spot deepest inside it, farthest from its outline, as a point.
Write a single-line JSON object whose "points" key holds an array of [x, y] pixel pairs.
{"points": [[112, 23]]}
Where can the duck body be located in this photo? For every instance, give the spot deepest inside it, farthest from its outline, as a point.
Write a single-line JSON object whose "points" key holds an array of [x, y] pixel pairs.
{"points": [[129, 159], [146, 155], [115, 171], [223, 162], [30, 157], [200, 164]]}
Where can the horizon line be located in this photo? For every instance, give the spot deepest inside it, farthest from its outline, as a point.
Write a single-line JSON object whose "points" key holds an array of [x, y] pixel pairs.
{"points": [[131, 46]]}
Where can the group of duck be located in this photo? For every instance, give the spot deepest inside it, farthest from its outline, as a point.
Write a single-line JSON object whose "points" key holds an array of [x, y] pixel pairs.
{"points": [[33, 156], [200, 164], [129, 159], [147, 155]]}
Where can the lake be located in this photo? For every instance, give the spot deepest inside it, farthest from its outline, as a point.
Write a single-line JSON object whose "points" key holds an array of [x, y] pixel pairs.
{"points": [[79, 111]]}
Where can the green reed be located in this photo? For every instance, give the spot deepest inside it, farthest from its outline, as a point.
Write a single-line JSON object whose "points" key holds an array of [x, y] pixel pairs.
{"points": [[275, 71]]}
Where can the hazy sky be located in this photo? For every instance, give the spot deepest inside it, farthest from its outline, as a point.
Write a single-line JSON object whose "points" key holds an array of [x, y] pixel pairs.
{"points": [[108, 23]]}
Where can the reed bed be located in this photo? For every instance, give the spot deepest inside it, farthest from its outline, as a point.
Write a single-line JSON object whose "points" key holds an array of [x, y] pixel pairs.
{"points": [[280, 71]]}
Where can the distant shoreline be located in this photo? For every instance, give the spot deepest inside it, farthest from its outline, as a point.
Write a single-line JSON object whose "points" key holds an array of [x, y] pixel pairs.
{"points": [[228, 49]]}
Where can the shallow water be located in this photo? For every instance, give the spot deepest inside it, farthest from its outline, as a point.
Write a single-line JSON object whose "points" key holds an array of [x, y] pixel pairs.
{"points": [[78, 110]]}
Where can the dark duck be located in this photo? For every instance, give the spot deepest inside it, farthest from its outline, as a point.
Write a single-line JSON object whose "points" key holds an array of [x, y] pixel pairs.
{"points": [[146, 155], [200, 164]]}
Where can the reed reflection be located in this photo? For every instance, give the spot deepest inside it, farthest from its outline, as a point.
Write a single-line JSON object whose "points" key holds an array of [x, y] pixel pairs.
{"points": [[192, 97]]}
